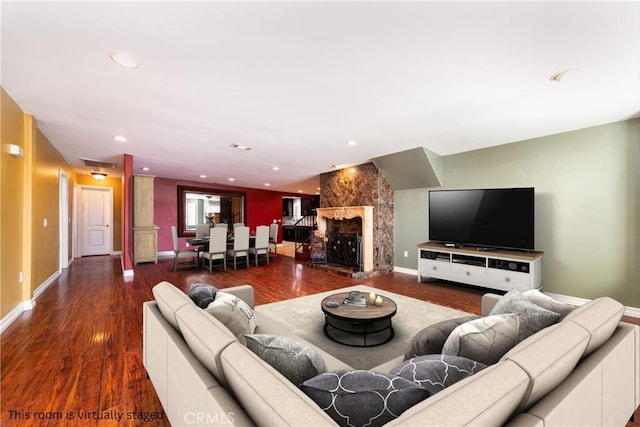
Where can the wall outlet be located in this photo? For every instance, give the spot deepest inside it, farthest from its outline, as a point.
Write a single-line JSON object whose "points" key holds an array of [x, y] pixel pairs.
{"points": [[20, 277], [188, 244], [45, 223], [406, 254]]}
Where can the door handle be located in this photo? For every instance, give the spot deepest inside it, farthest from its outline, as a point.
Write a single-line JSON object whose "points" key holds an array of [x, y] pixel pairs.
{"points": [[106, 225]]}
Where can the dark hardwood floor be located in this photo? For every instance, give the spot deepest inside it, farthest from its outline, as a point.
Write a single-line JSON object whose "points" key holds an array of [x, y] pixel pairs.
{"points": [[76, 358]]}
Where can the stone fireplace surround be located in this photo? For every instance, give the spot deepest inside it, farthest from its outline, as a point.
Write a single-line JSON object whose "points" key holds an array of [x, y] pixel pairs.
{"points": [[349, 212]]}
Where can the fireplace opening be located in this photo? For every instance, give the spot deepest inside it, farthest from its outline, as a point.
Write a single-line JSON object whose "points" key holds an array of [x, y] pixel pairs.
{"points": [[345, 249], [352, 227]]}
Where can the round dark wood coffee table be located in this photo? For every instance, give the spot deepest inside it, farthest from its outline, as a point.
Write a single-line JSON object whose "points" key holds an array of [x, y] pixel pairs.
{"points": [[358, 326]]}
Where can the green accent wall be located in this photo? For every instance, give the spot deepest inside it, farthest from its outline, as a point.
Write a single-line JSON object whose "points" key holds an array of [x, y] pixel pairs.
{"points": [[587, 206]]}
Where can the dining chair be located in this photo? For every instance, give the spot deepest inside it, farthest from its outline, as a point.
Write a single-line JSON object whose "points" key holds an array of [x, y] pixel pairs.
{"points": [[273, 238], [202, 231], [221, 224], [217, 247], [182, 253], [262, 243], [240, 245]]}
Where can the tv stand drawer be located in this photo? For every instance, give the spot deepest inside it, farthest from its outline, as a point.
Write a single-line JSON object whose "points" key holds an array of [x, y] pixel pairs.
{"points": [[507, 280], [437, 269], [465, 273]]}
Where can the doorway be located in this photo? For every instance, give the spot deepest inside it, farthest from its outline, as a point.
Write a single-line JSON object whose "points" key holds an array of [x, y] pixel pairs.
{"points": [[63, 183], [96, 219]]}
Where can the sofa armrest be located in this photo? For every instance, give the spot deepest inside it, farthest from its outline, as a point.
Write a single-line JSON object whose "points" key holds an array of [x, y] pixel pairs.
{"points": [[244, 292], [487, 303]]}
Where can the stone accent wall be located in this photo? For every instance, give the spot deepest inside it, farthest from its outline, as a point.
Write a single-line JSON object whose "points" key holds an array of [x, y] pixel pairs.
{"points": [[364, 185]]}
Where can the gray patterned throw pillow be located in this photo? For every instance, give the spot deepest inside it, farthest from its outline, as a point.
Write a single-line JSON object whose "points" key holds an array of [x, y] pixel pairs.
{"points": [[202, 294], [431, 339], [435, 372], [545, 301], [295, 359], [533, 318], [485, 339], [363, 398]]}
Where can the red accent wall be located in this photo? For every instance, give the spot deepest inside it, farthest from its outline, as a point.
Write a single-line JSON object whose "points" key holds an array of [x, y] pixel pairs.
{"points": [[127, 213], [262, 207]]}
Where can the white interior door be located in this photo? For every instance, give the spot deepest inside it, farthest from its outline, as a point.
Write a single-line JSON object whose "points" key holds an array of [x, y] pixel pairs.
{"points": [[96, 218]]}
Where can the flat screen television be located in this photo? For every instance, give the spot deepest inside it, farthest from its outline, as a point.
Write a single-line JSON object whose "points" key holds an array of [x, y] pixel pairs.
{"points": [[486, 218]]}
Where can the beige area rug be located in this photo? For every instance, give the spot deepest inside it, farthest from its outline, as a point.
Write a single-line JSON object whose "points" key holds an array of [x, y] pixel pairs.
{"points": [[304, 317]]}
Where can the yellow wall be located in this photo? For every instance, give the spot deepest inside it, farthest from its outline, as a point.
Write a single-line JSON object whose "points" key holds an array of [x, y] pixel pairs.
{"points": [[11, 212], [45, 254], [116, 185], [29, 194]]}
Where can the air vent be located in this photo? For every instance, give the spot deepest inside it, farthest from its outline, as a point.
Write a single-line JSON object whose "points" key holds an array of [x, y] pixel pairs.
{"points": [[98, 164]]}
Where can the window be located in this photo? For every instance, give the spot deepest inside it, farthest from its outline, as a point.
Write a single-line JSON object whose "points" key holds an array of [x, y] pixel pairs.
{"points": [[198, 205]]}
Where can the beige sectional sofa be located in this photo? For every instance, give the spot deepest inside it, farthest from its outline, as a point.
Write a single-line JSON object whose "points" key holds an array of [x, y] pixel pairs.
{"points": [[581, 371]]}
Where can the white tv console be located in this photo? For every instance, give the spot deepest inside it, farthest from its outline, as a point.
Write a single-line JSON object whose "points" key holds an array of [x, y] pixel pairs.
{"points": [[495, 269]]}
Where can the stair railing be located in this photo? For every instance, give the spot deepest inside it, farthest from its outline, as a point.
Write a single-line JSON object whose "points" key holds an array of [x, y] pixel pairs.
{"points": [[303, 229]]}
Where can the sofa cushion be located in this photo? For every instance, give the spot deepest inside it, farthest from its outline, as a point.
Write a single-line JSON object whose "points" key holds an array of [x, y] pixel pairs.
{"points": [[265, 394], [269, 326], [363, 398], [545, 301], [548, 357], [431, 339], [205, 335], [169, 299], [532, 317], [293, 358], [487, 398], [485, 339], [600, 318], [435, 372], [202, 294], [235, 314]]}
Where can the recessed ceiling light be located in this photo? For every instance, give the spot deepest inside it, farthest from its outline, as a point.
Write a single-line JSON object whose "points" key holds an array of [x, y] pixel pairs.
{"points": [[120, 138], [203, 176], [232, 179], [241, 147], [352, 142], [299, 191], [145, 168], [275, 168], [123, 60], [266, 184]]}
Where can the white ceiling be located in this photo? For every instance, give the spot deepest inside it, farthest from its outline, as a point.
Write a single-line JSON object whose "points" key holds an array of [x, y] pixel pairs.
{"points": [[296, 80]]}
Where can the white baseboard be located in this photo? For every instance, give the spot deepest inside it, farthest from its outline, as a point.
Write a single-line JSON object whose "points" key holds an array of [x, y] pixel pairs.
{"points": [[28, 304], [127, 274], [40, 289], [628, 311], [14, 314], [404, 270]]}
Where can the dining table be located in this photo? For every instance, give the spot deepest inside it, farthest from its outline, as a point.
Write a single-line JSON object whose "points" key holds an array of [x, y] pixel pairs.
{"points": [[202, 244]]}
